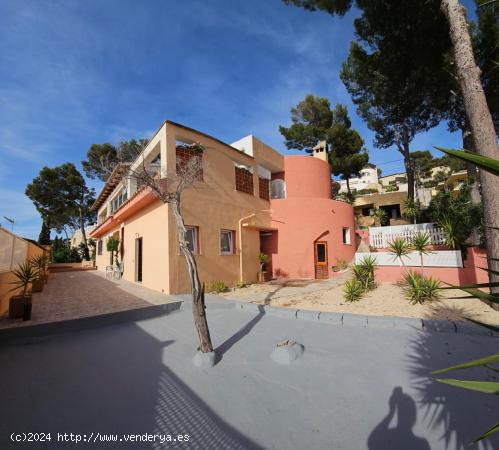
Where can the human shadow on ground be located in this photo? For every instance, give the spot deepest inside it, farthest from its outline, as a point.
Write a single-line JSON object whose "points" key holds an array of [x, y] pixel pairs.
{"points": [[385, 438], [461, 414]]}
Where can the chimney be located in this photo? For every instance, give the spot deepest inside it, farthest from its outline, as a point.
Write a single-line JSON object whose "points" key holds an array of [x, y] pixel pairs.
{"points": [[320, 151]]}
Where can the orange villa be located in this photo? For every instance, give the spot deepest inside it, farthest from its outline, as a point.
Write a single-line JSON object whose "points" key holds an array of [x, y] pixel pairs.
{"points": [[251, 199]]}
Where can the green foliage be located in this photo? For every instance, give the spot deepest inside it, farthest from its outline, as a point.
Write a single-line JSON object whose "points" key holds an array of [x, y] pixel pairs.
{"points": [[391, 188], [488, 164], [113, 246], [457, 215], [102, 158], [419, 289], [411, 209], [61, 196], [421, 242], [218, 286], [313, 121], [353, 290], [39, 263], [341, 264], [44, 237], [381, 216], [25, 274], [66, 254], [399, 247]]}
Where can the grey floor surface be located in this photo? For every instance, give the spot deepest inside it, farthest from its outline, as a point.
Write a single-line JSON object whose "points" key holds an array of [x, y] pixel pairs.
{"points": [[355, 387]]}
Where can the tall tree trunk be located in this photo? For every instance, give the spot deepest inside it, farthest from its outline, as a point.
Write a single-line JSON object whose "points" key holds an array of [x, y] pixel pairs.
{"points": [[407, 162], [469, 145], [198, 305], [83, 235], [348, 186], [480, 121]]}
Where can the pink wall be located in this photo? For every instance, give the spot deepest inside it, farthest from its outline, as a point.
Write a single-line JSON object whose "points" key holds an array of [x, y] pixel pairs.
{"points": [[469, 274], [307, 215], [307, 177]]}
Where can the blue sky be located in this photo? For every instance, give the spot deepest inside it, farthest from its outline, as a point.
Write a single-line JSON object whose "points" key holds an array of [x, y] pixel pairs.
{"points": [[81, 72]]}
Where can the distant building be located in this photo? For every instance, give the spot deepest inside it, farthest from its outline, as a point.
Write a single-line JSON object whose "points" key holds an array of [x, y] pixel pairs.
{"points": [[77, 237], [367, 180]]}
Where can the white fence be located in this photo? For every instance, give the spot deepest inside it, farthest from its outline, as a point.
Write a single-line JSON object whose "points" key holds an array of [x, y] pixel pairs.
{"points": [[440, 258], [379, 237], [13, 250]]}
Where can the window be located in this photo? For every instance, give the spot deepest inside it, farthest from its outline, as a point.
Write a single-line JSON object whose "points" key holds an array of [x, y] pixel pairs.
{"points": [[264, 188], [227, 242], [368, 211], [192, 239], [117, 201], [346, 235], [278, 188], [244, 180], [99, 247]]}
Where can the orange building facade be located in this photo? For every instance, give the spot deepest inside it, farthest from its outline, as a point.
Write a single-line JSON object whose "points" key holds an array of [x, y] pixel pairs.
{"points": [[251, 199]]}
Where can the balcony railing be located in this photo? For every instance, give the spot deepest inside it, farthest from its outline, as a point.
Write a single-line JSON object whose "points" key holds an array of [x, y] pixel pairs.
{"points": [[380, 237]]}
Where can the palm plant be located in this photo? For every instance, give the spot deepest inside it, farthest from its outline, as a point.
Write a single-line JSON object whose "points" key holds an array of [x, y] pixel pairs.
{"points": [[380, 216], [25, 274], [364, 272], [453, 239], [411, 210], [39, 262], [421, 242], [399, 247]]}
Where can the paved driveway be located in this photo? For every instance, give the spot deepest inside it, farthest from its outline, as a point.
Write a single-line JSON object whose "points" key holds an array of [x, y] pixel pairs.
{"points": [[356, 387], [78, 294]]}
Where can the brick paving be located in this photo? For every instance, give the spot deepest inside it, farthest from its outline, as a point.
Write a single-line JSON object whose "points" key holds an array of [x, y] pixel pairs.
{"points": [[77, 294]]}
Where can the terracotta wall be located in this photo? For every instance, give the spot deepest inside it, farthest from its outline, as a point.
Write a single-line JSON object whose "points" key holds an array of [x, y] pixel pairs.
{"points": [[305, 216]]}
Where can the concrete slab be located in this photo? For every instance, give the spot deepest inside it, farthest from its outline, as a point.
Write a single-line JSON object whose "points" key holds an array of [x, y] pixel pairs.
{"points": [[138, 378]]}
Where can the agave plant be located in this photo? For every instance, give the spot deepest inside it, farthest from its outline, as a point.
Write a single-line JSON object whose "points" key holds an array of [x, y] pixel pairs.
{"points": [[419, 289], [452, 237], [399, 247], [353, 290], [421, 242], [364, 272], [25, 274], [411, 209]]}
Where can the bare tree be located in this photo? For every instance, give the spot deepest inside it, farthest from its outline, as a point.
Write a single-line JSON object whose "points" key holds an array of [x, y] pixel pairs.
{"points": [[169, 190], [480, 122]]}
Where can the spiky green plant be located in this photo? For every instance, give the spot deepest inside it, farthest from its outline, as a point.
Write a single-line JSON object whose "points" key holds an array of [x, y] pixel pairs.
{"points": [[411, 209], [380, 215], [453, 238], [419, 289], [25, 274], [353, 290], [421, 242], [399, 247], [364, 272], [39, 262]]}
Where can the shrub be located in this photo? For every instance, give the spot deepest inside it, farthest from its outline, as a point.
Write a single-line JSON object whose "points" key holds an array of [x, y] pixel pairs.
{"points": [[353, 290], [419, 289], [218, 286], [341, 264], [364, 272]]}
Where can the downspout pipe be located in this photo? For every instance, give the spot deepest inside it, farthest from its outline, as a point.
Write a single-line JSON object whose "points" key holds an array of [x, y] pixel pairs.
{"points": [[240, 244]]}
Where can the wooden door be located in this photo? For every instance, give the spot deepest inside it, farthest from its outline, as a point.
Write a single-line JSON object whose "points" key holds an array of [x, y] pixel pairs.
{"points": [[320, 260]]}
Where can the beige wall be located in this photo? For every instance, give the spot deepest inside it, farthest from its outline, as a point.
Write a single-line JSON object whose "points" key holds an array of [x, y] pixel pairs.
{"points": [[7, 277], [377, 200], [211, 205]]}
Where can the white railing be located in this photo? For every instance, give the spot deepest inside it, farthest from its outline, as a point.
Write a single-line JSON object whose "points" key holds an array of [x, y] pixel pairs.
{"points": [[13, 250], [379, 237], [440, 258]]}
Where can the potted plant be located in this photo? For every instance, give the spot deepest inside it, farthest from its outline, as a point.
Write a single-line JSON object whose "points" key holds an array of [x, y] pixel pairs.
{"points": [[263, 275], [20, 304], [39, 263]]}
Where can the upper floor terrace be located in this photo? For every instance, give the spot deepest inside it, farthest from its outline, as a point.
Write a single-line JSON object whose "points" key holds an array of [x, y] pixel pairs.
{"points": [[245, 172]]}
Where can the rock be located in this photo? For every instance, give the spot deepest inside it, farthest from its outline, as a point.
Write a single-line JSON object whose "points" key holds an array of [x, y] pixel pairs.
{"points": [[287, 351], [204, 360]]}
